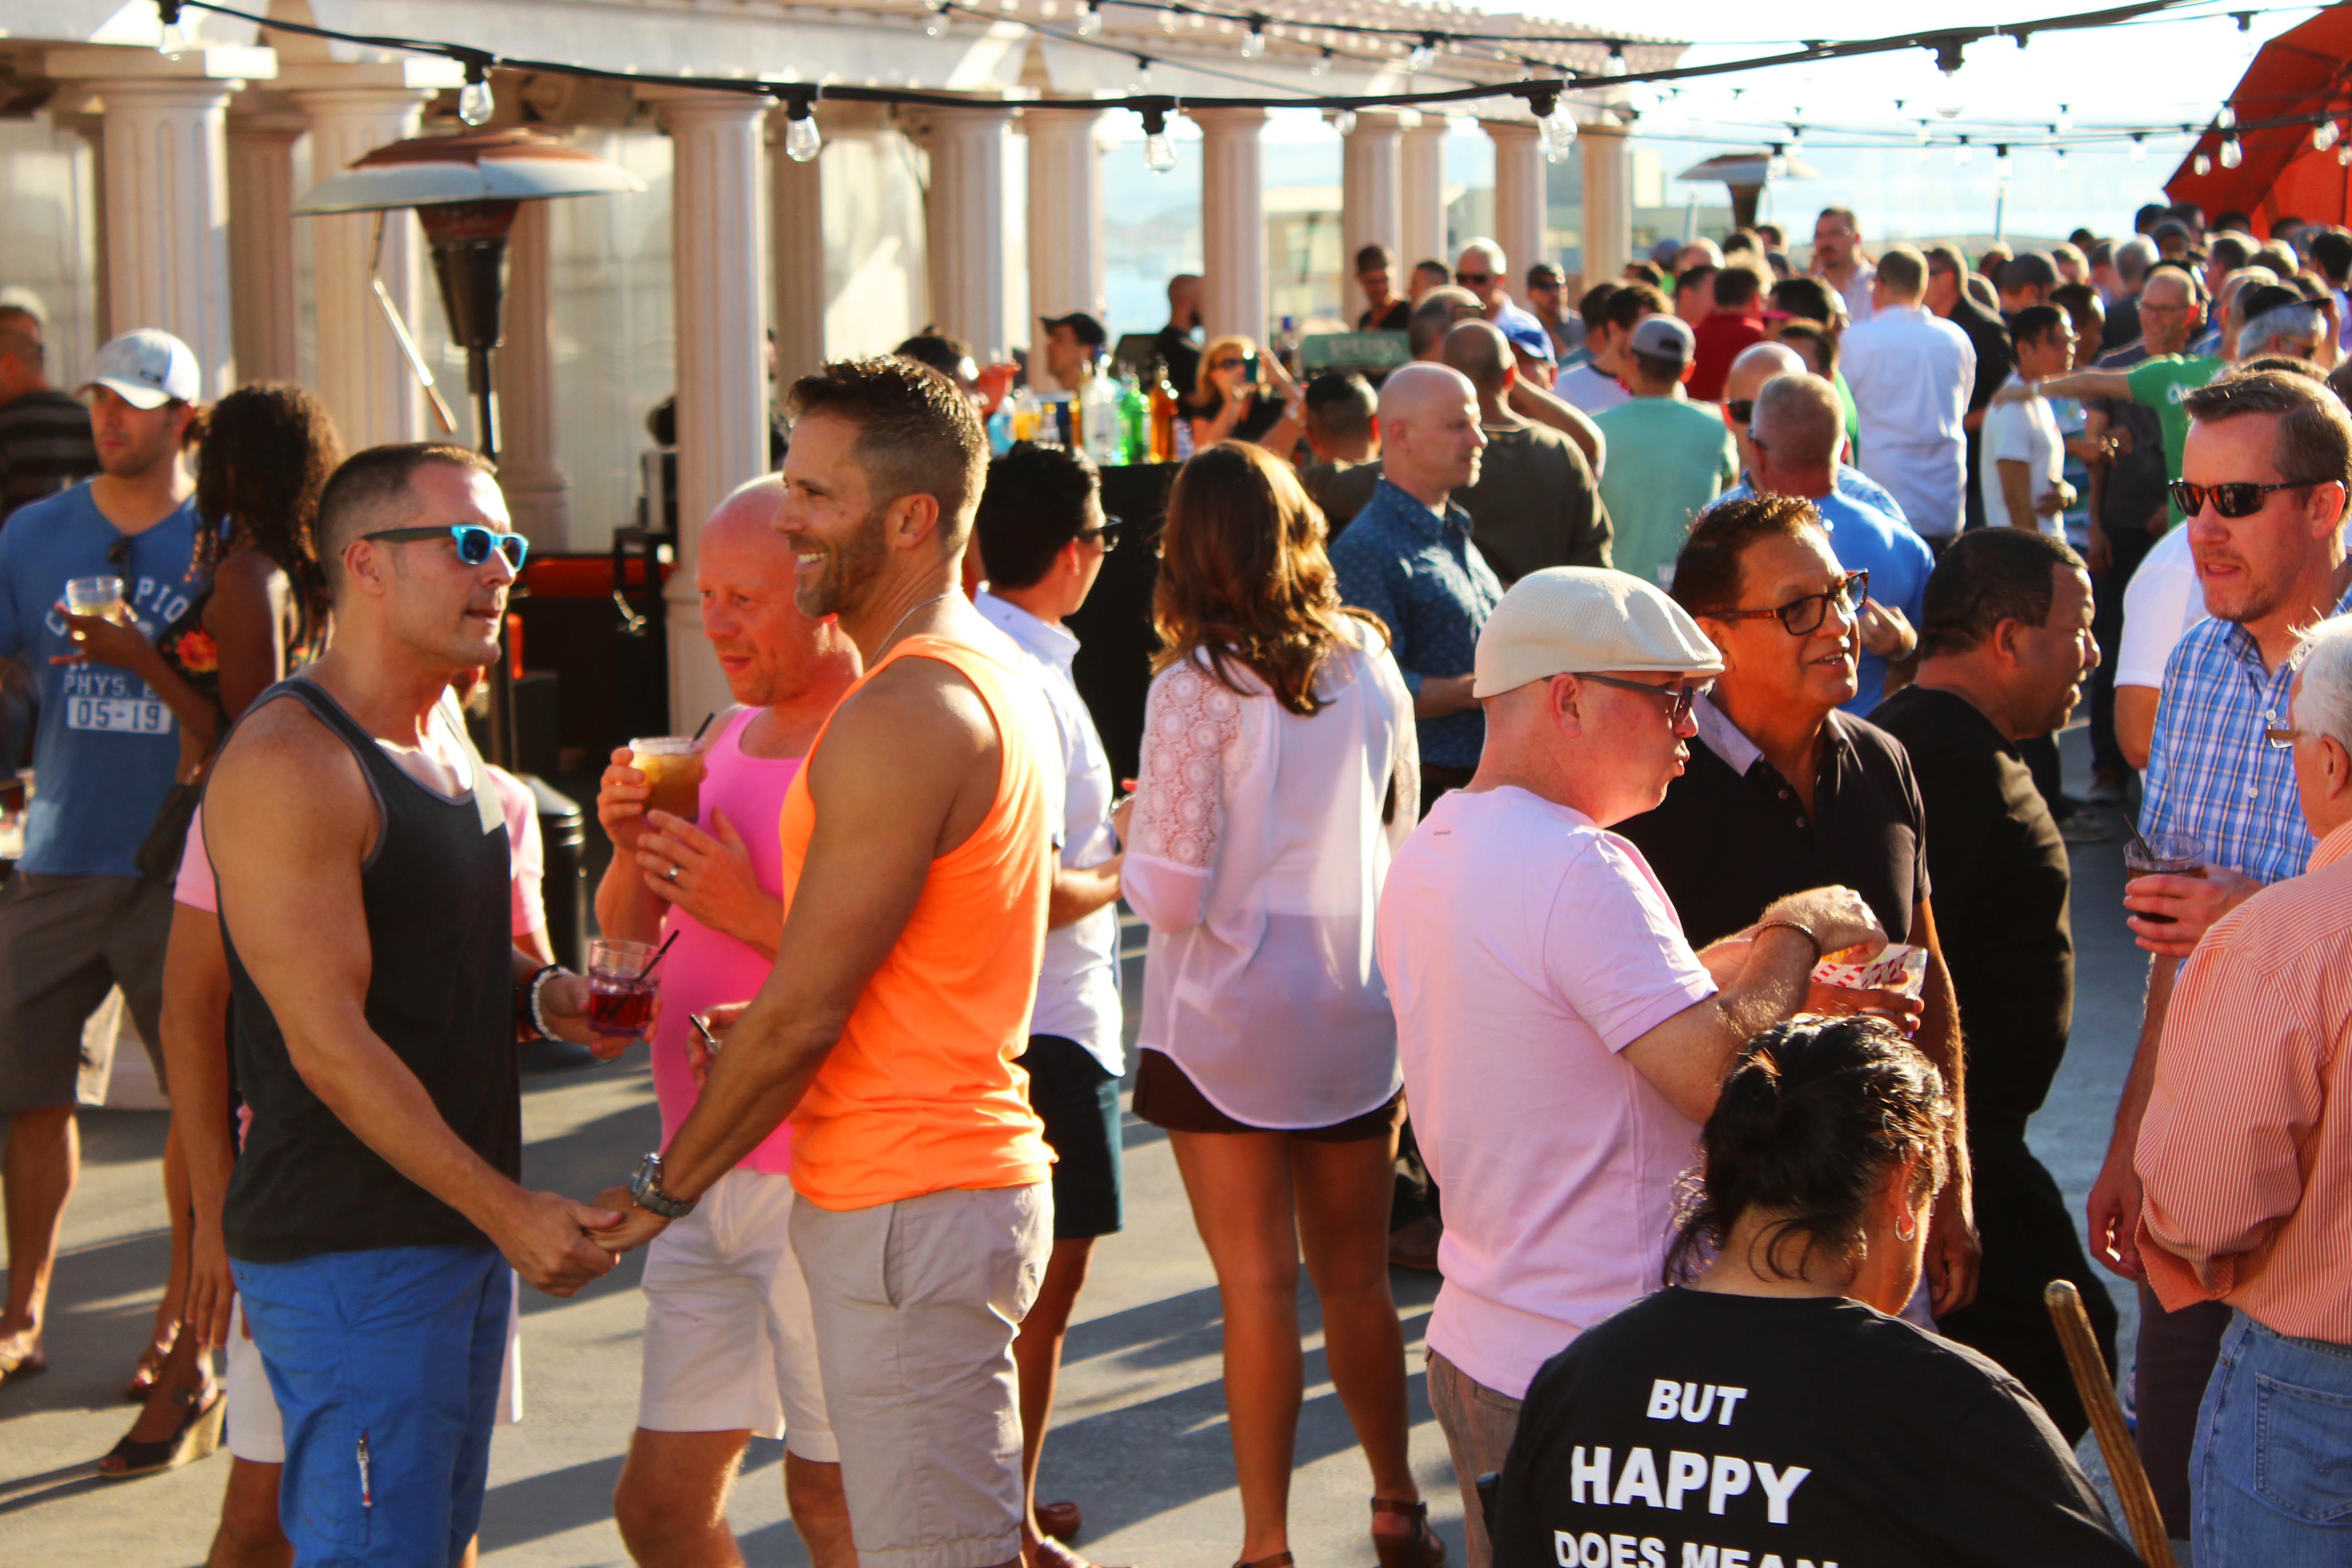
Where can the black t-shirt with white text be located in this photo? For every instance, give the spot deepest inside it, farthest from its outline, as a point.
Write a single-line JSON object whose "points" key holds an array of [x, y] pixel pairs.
{"points": [[1702, 1430]]}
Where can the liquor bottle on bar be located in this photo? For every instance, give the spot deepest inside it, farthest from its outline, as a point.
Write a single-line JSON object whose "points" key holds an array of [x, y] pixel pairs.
{"points": [[1163, 414]]}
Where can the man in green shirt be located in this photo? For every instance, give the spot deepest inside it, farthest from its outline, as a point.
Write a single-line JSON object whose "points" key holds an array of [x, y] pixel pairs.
{"points": [[2169, 315], [1669, 458]]}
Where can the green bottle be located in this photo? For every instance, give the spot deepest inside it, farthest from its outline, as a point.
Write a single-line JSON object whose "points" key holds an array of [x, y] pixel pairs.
{"points": [[1134, 423]]}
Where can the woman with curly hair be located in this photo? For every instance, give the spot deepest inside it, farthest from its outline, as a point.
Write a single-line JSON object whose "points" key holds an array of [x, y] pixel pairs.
{"points": [[1278, 775], [264, 457]]}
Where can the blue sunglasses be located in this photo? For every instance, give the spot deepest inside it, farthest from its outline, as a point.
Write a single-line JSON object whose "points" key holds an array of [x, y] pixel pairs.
{"points": [[474, 541]]}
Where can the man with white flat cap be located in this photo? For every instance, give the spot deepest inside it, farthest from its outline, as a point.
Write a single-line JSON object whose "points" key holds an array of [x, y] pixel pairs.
{"points": [[77, 919], [1562, 1040]]}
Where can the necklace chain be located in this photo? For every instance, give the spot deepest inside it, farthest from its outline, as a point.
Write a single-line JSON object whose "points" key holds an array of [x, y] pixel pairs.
{"points": [[910, 610]]}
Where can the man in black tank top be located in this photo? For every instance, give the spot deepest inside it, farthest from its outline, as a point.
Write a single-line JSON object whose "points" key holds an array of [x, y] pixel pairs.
{"points": [[365, 906]]}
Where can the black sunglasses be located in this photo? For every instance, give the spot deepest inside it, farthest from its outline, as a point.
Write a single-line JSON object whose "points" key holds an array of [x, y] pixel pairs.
{"points": [[2231, 501], [1677, 698], [474, 541], [1743, 411], [1472, 280], [1107, 535], [1801, 616]]}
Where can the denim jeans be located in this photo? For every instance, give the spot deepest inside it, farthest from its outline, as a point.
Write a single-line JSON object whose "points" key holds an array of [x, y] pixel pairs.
{"points": [[2272, 1470]]}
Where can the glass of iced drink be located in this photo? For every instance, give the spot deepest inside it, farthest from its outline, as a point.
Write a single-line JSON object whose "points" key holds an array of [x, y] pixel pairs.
{"points": [[620, 992], [98, 596], [672, 771], [2163, 855]]}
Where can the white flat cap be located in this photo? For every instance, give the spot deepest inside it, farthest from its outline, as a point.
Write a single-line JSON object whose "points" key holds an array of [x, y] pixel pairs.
{"points": [[1567, 620]]}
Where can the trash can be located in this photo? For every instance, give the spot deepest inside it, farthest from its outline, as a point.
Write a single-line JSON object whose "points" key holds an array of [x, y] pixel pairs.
{"points": [[564, 835]]}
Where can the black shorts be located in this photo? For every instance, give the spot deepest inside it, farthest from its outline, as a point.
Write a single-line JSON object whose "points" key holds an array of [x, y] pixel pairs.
{"points": [[1077, 1098], [1166, 1095]]}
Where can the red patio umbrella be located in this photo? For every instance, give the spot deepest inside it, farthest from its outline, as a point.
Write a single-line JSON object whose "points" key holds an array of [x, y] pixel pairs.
{"points": [[2303, 71]]}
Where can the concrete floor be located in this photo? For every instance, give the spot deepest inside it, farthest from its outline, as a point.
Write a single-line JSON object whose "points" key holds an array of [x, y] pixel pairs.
{"points": [[1139, 1434]]}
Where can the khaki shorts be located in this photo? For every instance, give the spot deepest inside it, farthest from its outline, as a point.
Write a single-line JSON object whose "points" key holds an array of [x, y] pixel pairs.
{"points": [[916, 1304], [729, 1345], [1479, 1423], [65, 943]]}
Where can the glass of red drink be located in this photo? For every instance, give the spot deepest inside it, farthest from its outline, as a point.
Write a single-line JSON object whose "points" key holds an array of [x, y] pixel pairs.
{"points": [[620, 992], [2163, 855]]}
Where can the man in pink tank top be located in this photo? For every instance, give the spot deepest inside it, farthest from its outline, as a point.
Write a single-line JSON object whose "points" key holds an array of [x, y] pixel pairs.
{"points": [[917, 860], [728, 1349]]}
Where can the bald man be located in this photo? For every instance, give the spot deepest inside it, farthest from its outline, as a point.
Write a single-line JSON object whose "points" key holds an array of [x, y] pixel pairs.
{"points": [[729, 1346], [1174, 344], [1764, 361], [1536, 503], [1480, 277], [1408, 559], [1797, 428]]}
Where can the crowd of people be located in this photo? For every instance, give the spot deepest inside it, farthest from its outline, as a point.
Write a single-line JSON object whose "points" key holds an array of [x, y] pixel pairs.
{"points": [[1600, 835]]}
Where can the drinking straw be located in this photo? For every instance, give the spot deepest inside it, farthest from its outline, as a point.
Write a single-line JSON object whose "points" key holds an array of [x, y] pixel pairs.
{"points": [[698, 729], [648, 971]]}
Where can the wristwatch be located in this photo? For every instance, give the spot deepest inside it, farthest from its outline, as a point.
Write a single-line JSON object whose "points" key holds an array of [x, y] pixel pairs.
{"points": [[645, 1191]]}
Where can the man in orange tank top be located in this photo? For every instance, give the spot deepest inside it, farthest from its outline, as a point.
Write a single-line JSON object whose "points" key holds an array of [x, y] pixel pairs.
{"points": [[918, 857]]}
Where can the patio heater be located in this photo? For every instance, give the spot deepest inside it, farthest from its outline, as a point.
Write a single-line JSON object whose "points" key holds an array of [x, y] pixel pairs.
{"points": [[466, 190]]}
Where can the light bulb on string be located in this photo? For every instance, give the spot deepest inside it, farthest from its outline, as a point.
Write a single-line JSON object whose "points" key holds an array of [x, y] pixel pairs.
{"points": [[1344, 122], [936, 24], [2323, 135], [2232, 154], [1556, 122], [1776, 167], [1253, 41], [175, 40], [2139, 147], [1796, 143], [2344, 154], [802, 141], [1423, 54], [1320, 64], [1089, 19], [1963, 154], [2065, 119], [2001, 163], [2228, 119], [1143, 70], [475, 103], [1158, 151], [1615, 64], [1167, 20], [2201, 165]]}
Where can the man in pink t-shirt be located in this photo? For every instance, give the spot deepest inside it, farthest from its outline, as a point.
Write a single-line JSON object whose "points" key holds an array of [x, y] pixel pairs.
{"points": [[729, 1348], [1561, 1043]]}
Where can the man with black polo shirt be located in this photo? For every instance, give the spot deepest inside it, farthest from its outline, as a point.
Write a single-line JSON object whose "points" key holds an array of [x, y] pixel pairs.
{"points": [[2005, 645], [1783, 791]]}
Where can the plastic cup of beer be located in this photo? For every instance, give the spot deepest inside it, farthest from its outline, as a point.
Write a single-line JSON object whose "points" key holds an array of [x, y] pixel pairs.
{"points": [[98, 596], [672, 771], [620, 992], [2163, 855]]}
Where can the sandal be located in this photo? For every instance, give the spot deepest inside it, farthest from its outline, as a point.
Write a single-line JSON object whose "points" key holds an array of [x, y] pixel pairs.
{"points": [[1279, 1560], [150, 1368], [17, 1367], [1419, 1547], [199, 1432]]}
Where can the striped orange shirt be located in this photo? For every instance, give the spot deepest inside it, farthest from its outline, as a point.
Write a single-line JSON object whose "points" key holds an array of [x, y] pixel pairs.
{"points": [[2246, 1151]]}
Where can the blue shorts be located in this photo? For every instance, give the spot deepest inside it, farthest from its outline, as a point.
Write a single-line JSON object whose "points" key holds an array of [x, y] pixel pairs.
{"points": [[386, 1365]]}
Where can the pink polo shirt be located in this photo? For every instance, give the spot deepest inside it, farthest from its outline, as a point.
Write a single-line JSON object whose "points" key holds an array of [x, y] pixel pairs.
{"points": [[709, 967], [1524, 948]]}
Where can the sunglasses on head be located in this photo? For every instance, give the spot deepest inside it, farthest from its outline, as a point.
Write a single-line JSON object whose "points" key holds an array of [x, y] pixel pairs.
{"points": [[2231, 501], [474, 541]]}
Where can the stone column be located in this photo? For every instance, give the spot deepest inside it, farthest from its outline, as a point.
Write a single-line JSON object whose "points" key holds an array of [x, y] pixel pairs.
{"points": [[1519, 193], [523, 372], [1066, 224], [366, 381], [261, 242], [1608, 241], [1422, 182], [796, 252], [722, 383], [963, 211], [1234, 297], [166, 252], [1369, 209]]}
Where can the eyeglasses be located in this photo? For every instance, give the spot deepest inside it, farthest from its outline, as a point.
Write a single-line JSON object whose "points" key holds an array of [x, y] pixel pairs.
{"points": [[2281, 735], [1234, 361], [474, 541], [1677, 698], [2231, 501], [1800, 616], [1472, 279], [1742, 412], [1107, 535]]}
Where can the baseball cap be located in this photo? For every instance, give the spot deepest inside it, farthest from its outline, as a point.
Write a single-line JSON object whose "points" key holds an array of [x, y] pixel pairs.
{"points": [[1528, 337], [1664, 337], [1567, 620], [2264, 297], [1087, 330], [1666, 252], [146, 369]]}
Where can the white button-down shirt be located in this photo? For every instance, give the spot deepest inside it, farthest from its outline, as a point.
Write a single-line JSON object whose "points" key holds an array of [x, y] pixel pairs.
{"points": [[1077, 991], [1910, 371]]}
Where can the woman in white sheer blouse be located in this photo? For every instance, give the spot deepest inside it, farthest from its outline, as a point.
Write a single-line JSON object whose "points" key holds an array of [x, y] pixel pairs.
{"points": [[1278, 774]]}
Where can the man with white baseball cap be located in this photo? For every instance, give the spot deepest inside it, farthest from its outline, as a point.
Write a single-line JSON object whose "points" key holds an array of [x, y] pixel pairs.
{"points": [[1561, 1041], [78, 919]]}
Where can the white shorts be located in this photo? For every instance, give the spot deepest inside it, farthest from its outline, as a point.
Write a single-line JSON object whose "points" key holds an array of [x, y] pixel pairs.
{"points": [[729, 1343], [257, 1434]]}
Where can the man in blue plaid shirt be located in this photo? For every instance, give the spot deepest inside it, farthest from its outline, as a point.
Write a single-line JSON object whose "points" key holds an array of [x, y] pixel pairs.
{"points": [[2265, 474]]}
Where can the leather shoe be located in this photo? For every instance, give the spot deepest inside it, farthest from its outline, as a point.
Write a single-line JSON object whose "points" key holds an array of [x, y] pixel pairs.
{"points": [[1061, 1521]]}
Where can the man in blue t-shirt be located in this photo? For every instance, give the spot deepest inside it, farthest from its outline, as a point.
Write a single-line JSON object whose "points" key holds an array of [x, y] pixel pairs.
{"points": [[77, 919], [1792, 443]]}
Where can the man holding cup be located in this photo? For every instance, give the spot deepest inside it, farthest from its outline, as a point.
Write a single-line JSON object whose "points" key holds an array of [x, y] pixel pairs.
{"points": [[77, 919], [2266, 469], [729, 1345]]}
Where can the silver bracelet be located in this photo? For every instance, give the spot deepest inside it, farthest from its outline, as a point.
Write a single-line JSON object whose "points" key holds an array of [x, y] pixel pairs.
{"points": [[1769, 925], [538, 1017]]}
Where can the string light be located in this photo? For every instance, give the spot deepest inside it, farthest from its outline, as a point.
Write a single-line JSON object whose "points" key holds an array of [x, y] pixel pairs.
{"points": [[936, 24], [802, 141], [1167, 19], [1950, 55], [2201, 165], [1557, 124], [1253, 41], [2228, 119], [1089, 18], [2139, 147], [1796, 140], [475, 103], [1615, 64], [1423, 54], [2000, 161], [1319, 64], [2066, 121], [1143, 70], [2344, 156], [2323, 135], [1963, 154], [1344, 122], [1158, 151], [174, 40], [2232, 154]]}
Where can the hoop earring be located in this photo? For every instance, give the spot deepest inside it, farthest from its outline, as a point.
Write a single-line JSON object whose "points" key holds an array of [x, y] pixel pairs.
{"points": [[1910, 1235]]}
